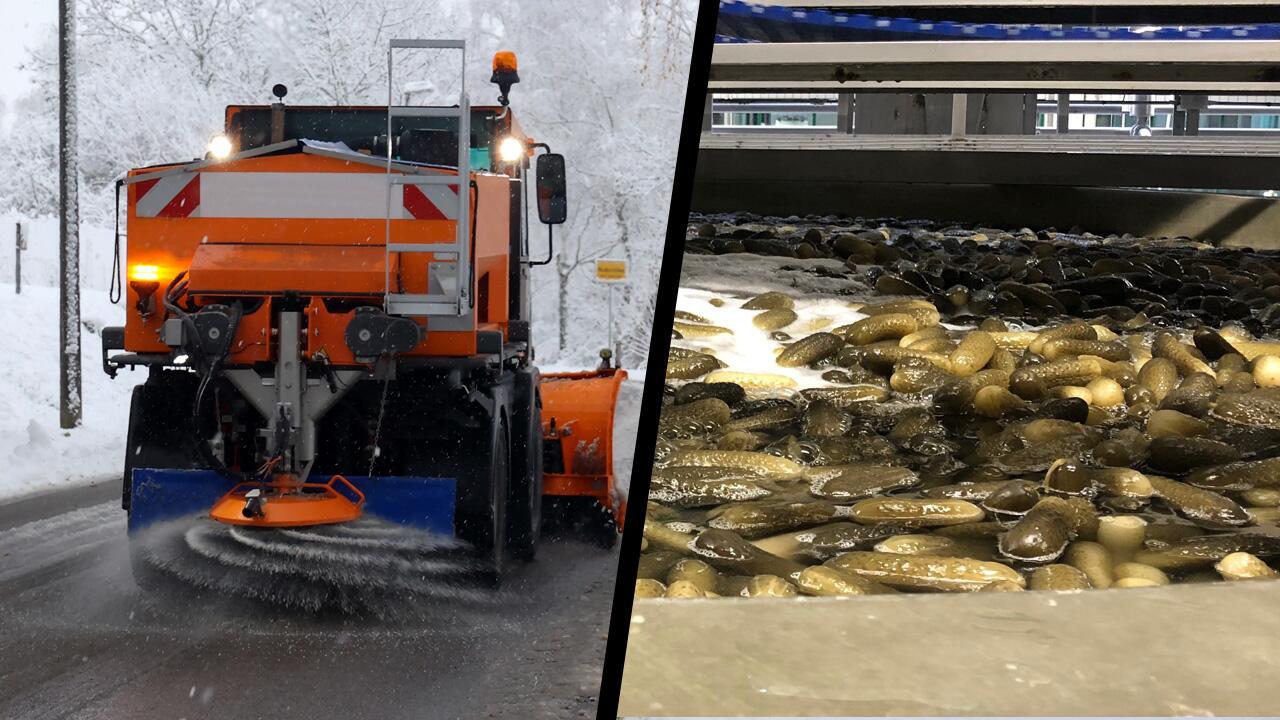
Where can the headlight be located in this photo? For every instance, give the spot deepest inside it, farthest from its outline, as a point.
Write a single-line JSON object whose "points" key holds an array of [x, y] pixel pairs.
{"points": [[510, 150], [220, 147]]}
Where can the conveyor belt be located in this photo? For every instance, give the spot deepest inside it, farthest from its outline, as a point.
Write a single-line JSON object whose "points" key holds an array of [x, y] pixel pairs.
{"points": [[741, 21]]}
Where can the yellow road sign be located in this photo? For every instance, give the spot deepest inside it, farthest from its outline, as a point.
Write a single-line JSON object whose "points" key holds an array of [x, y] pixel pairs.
{"points": [[611, 270]]}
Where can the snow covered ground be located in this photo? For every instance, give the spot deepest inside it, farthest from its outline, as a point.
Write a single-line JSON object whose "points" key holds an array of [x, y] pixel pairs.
{"points": [[36, 454]]}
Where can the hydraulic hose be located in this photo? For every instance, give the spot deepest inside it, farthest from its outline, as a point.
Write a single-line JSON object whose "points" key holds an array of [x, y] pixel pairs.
{"points": [[206, 453], [115, 288], [171, 294]]}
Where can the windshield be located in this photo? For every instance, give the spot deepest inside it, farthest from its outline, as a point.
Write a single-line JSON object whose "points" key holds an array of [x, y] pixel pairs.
{"points": [[429, 140]]}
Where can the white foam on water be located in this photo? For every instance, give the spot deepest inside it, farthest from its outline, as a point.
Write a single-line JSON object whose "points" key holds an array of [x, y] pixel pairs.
{"points": [[750, 349]]}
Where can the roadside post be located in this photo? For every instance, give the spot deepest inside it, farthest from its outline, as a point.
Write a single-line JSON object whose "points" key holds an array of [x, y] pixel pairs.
{"points": [[19, 244], [612, 272]]}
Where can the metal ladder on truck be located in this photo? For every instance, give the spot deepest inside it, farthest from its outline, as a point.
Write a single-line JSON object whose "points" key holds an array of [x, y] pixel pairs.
{"points": [[448, 275]]}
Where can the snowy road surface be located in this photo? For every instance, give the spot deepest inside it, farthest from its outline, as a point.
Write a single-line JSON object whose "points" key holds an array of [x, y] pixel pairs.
{"points": [[79, 640]]}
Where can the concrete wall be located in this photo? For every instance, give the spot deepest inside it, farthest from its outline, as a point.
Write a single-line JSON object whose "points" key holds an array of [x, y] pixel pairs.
{"points": [[930, 114], [1224, 219]]}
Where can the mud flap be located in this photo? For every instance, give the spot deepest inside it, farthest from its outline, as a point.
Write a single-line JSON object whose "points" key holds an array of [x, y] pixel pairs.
{"points": [[421, 502]]}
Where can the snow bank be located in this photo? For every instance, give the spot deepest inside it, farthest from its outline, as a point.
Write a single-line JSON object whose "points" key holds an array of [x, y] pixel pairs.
{"points": [[35, 453], [626, 422]]}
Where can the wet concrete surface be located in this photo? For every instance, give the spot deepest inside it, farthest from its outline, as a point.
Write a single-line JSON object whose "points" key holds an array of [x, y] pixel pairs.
{"points": [[1203, 650], [78, 639]]}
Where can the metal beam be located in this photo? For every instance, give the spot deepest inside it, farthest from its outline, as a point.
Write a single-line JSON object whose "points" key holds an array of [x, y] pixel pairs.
{"points": [[866, 4], [1076, 160], [963, 52], [845, 114], [959, 114], [1244, 66], [1016, 86], [1072, 145], [1058, 12]]}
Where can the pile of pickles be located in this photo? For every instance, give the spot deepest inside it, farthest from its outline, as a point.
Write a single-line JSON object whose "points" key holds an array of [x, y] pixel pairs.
{"points": [[867, 446]]}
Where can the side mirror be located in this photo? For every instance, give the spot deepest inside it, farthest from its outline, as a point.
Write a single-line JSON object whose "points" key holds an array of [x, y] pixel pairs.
{"points": [[552, 202]]}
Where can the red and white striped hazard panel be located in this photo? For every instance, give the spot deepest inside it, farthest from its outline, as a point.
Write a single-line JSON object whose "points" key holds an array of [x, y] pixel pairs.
{"points": [[292, 195]]}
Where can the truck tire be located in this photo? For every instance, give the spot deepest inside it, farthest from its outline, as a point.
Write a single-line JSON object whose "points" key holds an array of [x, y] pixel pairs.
{"points": [[482, 471], [133, 443], [160, 435], [524, 499], [500, 480]]}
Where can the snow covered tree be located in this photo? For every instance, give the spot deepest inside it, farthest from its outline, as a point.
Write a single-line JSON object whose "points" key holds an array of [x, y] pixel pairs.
{"points": [[337, 49], [612, 101]]}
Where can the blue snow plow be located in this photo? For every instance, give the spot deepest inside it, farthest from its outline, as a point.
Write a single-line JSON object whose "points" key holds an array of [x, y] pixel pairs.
{"points": [[164, 494]]}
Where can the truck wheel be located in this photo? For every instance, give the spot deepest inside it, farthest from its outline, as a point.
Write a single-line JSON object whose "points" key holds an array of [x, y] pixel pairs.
{"points": [[133, 443], [483, 472], [524, 500]]}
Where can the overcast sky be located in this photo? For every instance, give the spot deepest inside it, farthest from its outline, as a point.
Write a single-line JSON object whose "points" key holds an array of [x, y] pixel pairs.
{"points": [[22, 24]]}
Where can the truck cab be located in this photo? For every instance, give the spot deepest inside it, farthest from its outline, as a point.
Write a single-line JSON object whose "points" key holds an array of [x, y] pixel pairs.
{"points": [[421, 140]]}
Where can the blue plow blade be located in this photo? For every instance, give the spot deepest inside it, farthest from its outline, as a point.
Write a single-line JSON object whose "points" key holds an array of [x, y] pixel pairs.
{"points": [[421, 502]]}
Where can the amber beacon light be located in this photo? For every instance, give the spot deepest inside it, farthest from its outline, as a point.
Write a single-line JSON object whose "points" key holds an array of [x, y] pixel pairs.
{"points": [[504, 73]]}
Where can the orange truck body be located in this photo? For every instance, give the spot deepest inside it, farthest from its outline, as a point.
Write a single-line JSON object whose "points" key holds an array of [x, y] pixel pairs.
{"points": [[312, 222], [335, 257]]}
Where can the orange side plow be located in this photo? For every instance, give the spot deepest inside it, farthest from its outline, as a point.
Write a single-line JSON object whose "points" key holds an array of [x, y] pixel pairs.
{"points": [[285, 502], [577, 424]]}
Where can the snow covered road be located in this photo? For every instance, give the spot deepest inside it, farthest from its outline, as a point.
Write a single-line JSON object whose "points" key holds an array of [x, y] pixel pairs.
{"points": [[78, 640]]}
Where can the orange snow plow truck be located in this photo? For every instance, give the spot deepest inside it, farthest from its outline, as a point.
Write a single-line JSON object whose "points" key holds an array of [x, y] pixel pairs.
{"points": [[333, 310]]}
